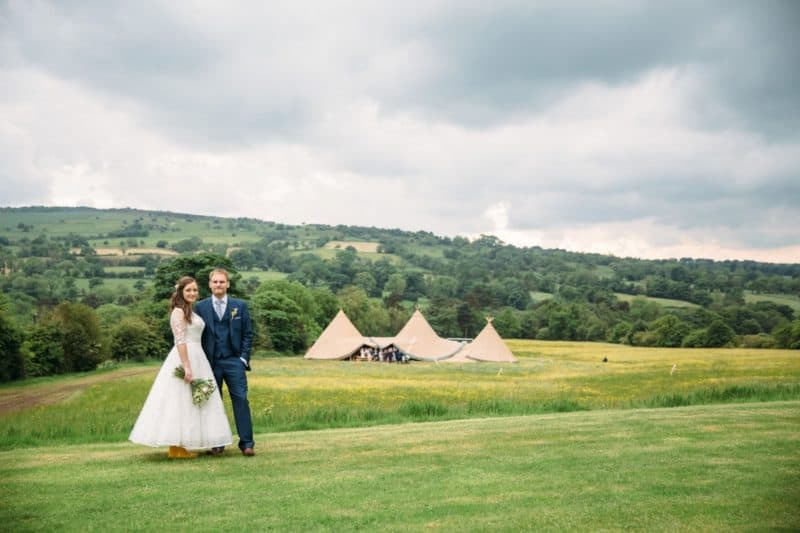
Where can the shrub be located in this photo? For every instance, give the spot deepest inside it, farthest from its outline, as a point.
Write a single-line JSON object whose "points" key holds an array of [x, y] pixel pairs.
{"points": [[787, 334], [81, 340], [132, 339], [762, 340], [12, 364], [43, 349]]}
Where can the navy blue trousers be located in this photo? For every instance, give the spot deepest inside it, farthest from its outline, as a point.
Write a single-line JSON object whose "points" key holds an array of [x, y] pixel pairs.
{"points": [[231, 370]]}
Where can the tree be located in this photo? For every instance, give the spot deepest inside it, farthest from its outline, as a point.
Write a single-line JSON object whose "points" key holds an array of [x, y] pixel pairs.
{"points": [[12, 363], [109, 315], [198, 266], [366, 281], [134, 340], [396, 285], [787, 334], [695, 339], [279, 321], [719, 334], [669, 331], [43, 349], [304, 298], [327, 306], [188, 245], [619, 332], [442, 315], [370, 318], [81, 341], [467, 322], [507, 323]]}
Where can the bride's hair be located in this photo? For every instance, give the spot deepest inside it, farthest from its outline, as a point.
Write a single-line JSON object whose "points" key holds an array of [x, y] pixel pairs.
{"points": [[177, 298]]}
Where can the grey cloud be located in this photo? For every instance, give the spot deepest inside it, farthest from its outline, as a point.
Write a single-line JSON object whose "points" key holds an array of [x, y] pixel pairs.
{"points": [[495, 60], [418, 100], [521, 56]]}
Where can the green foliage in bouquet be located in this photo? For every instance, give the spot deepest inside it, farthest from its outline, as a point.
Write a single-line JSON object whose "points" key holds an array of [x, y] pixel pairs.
{"points": [[202, 389]]}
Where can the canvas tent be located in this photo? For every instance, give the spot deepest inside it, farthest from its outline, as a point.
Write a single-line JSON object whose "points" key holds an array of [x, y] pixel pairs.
{"points": [[486, 347], [418, 340], [340, 340]]}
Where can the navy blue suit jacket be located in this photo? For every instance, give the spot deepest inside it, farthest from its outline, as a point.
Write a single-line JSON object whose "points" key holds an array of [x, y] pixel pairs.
{"points": [[241, 328]]}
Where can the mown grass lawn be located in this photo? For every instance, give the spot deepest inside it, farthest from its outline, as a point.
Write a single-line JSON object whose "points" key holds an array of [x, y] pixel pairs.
{"points": [[698, 468]]}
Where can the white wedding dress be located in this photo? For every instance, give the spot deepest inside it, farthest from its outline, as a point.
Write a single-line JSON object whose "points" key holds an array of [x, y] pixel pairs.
{"points": [[169, 418]]}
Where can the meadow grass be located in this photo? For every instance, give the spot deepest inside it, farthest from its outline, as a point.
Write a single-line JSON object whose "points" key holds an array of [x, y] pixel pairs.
{"points": [[291, 393], [124, 269], [538, 296], [699, 468], [359, 246], [330, 253], [262, 275], [780, 299], [666, 302], [113, 283]]}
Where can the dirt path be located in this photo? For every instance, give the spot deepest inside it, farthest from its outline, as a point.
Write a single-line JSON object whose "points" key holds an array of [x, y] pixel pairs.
{"points": [[19, 399]]}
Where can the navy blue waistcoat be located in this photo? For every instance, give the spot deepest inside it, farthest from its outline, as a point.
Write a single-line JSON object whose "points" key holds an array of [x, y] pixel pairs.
{"points": [[222, 339]]}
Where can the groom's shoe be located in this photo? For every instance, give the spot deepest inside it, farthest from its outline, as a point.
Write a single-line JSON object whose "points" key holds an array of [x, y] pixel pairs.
{"points": [[217, 450], [248, 452]]}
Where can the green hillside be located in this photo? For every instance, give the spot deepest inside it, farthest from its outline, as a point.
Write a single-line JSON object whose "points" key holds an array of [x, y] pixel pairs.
{"points": [[102, 258]]}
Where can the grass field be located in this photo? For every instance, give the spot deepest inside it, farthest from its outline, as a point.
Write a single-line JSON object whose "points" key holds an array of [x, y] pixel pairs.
{"points": [[666, 302], [112, 283], [780, 299], [124, 269], [359, 246], [330, 253], [559, 441], [290, 394], [699, 468], [538, 296], [95, 225], [262, 275]]}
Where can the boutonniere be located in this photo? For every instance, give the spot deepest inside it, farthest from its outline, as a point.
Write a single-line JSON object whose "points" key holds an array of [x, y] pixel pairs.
{"points": [[233, 312]]}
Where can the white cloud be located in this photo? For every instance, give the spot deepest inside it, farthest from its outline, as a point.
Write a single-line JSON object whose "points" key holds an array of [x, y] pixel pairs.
{"points": [[369, 115]]}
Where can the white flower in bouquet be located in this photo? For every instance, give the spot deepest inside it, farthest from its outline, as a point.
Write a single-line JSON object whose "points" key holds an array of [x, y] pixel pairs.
{"points": [[202, 389]]}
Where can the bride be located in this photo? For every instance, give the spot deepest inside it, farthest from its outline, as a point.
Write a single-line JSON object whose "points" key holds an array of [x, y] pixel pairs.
{"points": [[169, 417]]}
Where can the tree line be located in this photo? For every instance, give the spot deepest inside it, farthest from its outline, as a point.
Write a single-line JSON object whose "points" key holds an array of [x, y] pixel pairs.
{"points": [[49, 323]]}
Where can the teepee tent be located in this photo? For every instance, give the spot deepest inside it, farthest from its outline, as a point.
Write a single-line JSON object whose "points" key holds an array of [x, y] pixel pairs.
{"points": [[486, 347], [419, 341], [340, 340]]}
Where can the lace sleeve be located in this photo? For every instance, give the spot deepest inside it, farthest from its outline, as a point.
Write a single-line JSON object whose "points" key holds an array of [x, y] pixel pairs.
{"points": [[179, 326]]}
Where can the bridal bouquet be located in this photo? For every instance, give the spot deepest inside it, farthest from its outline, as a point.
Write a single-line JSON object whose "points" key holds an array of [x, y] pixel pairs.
{"points": [[202, 389]]}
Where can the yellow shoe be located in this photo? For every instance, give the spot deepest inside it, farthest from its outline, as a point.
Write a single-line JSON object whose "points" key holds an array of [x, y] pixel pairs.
{"points": [[179, 452]]}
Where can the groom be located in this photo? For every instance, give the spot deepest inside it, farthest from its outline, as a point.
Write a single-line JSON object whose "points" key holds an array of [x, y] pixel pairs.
{"points": [[227, 340]]}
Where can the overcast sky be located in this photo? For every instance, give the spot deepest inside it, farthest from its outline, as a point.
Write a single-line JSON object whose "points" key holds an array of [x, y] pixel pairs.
{"points": [[638, 128]]}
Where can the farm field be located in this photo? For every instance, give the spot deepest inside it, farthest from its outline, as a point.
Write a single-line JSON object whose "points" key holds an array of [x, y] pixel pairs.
{"points": [[781, 299], [359, 246], [262, 275], [117, 251], [330, 253], [127, 284], [538, 296], [666, 302]]}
